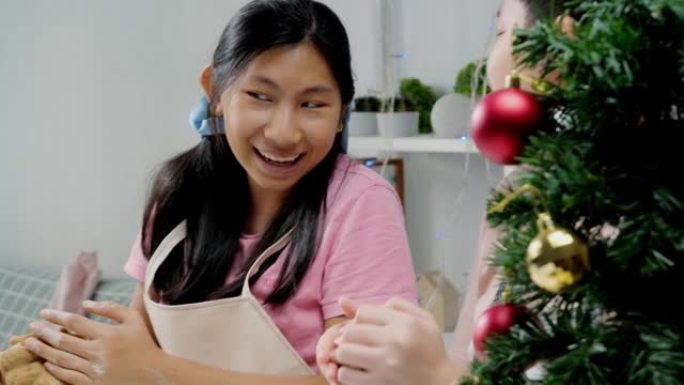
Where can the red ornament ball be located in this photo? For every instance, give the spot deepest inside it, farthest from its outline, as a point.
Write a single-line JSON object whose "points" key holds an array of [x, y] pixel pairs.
{"points": [[497, 319], [501, 122]]}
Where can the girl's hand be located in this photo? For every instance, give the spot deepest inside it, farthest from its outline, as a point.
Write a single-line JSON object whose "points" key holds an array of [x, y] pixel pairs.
{"points": [[324, 349], [96, 353], [398, 343], [328, 342]]}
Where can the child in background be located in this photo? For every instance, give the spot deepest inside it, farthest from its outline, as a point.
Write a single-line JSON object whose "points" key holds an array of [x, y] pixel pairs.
{"points": [[399, 343]]}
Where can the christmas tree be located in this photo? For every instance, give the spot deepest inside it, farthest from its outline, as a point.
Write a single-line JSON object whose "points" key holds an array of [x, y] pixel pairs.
{"points": [[591, 258]]}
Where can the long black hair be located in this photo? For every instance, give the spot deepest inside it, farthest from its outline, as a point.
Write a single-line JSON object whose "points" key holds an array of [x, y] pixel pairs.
{"points": [[207, 187]]}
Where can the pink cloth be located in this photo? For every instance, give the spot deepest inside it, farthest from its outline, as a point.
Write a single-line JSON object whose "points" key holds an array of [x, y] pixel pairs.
{"points": [[364, 255], [77, 283]]}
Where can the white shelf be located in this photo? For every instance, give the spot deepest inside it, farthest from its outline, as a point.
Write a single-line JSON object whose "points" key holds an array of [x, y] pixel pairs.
{"points": [[367, 145]]}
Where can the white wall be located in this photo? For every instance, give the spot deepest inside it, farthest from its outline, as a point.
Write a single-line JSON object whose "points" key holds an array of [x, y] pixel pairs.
{"points": [[441, 36], [444, 35], [95, 94]]}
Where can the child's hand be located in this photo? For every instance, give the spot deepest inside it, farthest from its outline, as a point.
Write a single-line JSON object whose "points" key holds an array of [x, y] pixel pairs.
{"points": [[106, 354], [328, 342], [395, 344], [324, 349]]}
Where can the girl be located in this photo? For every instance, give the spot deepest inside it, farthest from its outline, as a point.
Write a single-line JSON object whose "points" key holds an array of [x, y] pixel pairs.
{"points": [[399, 343], [269, 215]]}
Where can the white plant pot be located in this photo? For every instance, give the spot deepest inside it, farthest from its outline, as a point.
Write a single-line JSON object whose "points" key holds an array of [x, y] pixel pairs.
{"points": [[398, 124], [450, 116], [363, 124]]}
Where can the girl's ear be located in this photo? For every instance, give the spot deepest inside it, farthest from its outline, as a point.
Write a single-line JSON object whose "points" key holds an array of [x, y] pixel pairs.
{"points": [[206, 77], [567, 25], [344, 117]]}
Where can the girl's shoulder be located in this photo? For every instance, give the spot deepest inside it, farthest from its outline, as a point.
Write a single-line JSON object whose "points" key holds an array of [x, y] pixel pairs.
{"points": [[352, 180]]}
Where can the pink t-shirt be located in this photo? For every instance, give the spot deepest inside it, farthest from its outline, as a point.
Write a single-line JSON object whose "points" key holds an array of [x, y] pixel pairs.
{"points": [[364, 255]]}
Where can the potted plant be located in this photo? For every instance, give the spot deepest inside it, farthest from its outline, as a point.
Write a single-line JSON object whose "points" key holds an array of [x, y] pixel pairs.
{"points": [[363, 120], [398, 118], [423, 98], [471, 80]]}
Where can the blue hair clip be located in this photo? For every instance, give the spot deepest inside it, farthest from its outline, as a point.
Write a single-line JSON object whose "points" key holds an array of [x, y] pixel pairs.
{"points": [[204, 124]]}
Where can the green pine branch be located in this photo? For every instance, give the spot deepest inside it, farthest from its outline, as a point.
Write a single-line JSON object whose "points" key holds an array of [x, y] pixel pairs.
{"points": [[607, 167]]}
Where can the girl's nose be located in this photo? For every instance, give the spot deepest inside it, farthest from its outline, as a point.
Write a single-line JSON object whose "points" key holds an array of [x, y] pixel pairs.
{"points": [[283, 130]]}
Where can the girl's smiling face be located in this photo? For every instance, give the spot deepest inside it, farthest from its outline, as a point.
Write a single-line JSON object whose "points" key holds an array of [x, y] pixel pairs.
{"points": [[281, 115]]}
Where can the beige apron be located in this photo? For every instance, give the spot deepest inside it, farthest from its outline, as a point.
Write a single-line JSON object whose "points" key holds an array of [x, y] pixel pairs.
{"points": [[229, 333]]}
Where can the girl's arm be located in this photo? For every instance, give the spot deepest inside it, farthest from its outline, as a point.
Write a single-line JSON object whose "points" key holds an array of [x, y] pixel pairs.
{"points": [[181, 371], [126, 353], [138, 305]]}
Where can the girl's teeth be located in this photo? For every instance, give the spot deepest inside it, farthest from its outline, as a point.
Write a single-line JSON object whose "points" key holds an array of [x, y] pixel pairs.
{"points": [[279, 160]]}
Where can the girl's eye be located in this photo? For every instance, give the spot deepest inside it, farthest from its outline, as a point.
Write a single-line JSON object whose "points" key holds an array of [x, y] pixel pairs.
{"points": [[312, 105], [499, 33], [258, 96]]}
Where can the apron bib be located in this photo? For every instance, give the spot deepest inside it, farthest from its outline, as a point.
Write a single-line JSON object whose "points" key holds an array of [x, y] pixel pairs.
{"points": [[229, 333]]}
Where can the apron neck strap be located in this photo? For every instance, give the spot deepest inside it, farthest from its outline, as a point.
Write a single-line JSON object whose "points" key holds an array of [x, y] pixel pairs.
{"points": [[274, 248], [163, 250], [178, 234]]}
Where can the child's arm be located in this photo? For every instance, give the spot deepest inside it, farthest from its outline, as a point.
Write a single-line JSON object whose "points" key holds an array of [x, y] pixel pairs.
{"points": [[186, 372], [483, 283], [138, 304], [173, 370], [480, 293], [125, 353], [393, 344]]}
